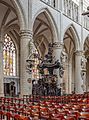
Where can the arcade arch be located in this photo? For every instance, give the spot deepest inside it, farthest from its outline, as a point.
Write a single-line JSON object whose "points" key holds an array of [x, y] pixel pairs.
{"points": [[71, 44], [43, 32], [11, 22], [86, 64]]}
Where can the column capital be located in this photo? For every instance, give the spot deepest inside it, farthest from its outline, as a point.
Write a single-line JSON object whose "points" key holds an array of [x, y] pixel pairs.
{"points": [[26, 33], [79, 52], [58, 45]]}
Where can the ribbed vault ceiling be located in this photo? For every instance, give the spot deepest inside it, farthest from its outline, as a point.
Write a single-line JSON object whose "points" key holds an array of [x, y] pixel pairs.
{"points": [[9, 18], [42, 33], [69, 44]]}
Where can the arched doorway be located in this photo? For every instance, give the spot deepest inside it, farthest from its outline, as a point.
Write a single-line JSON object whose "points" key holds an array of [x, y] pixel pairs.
{"points": [[68, 60]]}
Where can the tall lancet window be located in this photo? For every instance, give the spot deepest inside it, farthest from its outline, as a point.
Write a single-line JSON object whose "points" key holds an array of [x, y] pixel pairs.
{"points": [[35, 71], [9, 57]]}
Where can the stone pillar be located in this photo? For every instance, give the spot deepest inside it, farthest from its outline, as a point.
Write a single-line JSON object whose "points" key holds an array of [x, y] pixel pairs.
{"points": [[25, 86], [69, 77], [83, 72], [78, 79], [66, 78], [1, 68], [57, 49]]}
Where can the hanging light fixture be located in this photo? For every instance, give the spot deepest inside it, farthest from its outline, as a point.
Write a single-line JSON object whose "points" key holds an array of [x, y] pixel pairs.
{"points": [[87, 12]]}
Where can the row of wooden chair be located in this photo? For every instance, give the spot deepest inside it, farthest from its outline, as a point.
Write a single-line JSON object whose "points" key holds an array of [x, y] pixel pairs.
{"points": [[70, 107], [49, 111], [61, 99]]}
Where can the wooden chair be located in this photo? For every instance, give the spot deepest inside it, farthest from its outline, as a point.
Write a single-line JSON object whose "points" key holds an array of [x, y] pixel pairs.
{"points": [[9, 116], [84, 115]]}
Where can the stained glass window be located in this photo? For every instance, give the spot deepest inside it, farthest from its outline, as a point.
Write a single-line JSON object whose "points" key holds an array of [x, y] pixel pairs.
{"points": [[9, 57], [35, 71]]}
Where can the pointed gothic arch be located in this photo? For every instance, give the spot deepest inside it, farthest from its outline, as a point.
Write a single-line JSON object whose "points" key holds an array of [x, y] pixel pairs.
{"points": [[71, 44], [75, 35], [51, 19], [12, 21], [20, 13], [86, 63]]}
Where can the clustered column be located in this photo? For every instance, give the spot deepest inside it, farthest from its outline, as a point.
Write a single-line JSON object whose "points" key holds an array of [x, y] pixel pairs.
{"points": [[25, 87], [57, 49], [78, 79]]}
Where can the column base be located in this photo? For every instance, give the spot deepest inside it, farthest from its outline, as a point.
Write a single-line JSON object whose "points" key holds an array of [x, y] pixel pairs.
{"points": [[20, 95], [79, 91], [1, 94]]}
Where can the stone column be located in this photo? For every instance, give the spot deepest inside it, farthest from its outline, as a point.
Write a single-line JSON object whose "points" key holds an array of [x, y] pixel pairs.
{"points": [[25, 86], [1, 68], [78, 80], [83, 72], [69, 77], [66, 78], [57, 49]]}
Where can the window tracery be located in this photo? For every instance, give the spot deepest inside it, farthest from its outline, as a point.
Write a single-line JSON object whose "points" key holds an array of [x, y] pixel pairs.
{"points": [[35, 71], [71, 9], [9, 57]]}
